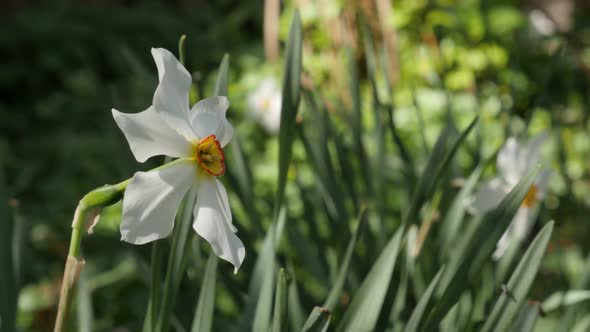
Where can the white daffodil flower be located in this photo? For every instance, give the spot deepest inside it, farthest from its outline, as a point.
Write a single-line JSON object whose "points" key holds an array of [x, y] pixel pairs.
{"points": [[196, 137], [265, 105], [542, 23], [513, 162]]}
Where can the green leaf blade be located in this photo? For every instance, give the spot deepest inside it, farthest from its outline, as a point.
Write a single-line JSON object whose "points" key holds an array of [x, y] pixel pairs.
{"points": [[8, 292], [476, 246], [336, 290], [419, 312], [280, 310], [519, 284], [363, 312], [318, 321], [203, 318], [289, 105]]}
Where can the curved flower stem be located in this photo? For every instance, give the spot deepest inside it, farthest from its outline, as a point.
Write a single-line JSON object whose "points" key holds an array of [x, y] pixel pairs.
{"points": [[72, 270], [88, 209]]}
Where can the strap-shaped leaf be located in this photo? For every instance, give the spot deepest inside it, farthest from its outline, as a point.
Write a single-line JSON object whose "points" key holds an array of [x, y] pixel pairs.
{"points": [[203, 319], [444, 150], [567, 320], [476, 245], [508, 305], [451, 223], [318, 321], [583, 325], [222, 81], [289, 106], [295, 309], [562, 299], [257, 312], [8, 292], [84, 304], [363, 312], [176, 261], [336, 290], [527, 318], [280, 311], [420, 310]]}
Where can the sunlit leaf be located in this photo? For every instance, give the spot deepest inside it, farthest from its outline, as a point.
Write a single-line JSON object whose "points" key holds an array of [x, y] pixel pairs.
{"points": [[520, 282]]}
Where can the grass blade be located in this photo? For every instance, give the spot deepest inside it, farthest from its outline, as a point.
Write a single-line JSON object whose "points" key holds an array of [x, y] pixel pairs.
{"points": [[176, 261], [155, 286], [477, 245], [519, 284], [363, 312], [222, 81], [583, 325], [296, 313], [356, 122], [567, 320], [419, 311], [527, 318], [309, 253], [336, 290], [85, 312], [239, 174], [280, 311], [451, 224], [203, 319], [259, 304], [434, 168], [8, 291], [289, 106], [318, 321], [561, 299]]}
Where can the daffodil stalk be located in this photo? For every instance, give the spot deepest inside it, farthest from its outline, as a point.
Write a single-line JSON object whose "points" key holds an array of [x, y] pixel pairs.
{"points": [[196, 136], [88, 210], [85, 216]]}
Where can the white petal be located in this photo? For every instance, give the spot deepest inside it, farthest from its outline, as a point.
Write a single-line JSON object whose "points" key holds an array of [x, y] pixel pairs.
{"points": [[265, 105], [149, 136], [521, 223], [517, 231], [541, 183], [489, 196], [502, 246], [213, 222], [171, 96], [533, 150], [208, 117], [228, 134], [151, 201], [271, 120], [509, 162]]}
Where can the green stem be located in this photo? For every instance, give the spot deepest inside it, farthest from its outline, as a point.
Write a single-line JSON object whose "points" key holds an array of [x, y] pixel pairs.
{"points": [[71, 271], [76, 238], [181, 49], [89, 204]]}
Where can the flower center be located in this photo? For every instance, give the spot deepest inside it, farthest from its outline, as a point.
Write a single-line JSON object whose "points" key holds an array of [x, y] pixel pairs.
{"points": [[265, 103], [531, 197], [210, 156]]}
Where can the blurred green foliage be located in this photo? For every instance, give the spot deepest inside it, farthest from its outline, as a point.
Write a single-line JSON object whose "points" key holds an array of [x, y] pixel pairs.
{"points": [[65, 65]]}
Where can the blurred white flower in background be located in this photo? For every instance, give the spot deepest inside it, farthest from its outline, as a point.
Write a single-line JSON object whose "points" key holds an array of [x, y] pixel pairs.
{"points": [[541, 22], [514, 161], [196, 137], [264, 105]]}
